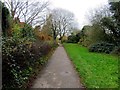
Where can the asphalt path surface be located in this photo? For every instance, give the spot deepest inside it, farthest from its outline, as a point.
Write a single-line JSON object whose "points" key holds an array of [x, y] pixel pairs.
{"points": [[59, 73]]}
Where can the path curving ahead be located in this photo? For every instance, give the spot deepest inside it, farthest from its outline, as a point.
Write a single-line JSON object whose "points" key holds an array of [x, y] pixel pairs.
{"points": [[59, 73]]}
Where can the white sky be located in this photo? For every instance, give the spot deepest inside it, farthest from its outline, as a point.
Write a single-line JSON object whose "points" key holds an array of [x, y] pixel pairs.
{"points": [[78, 7]]}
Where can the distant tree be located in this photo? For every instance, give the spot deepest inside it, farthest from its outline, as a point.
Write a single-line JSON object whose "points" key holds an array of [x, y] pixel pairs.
{"points": [[65, 20], [95, 15], [54, 27], [73, 38], [62, 22], [46, 29]]}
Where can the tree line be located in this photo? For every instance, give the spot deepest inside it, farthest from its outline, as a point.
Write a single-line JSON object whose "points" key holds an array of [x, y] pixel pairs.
{"points": [[103, 31], [56, 22]]}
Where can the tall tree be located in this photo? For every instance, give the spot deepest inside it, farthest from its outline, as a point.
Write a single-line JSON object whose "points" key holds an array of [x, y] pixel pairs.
{"points": [[63, 21], [30, 12], [115, 9], [113, 23]]}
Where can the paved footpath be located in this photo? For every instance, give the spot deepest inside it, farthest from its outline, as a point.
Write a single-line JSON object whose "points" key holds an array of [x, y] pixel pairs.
{"points": [[59, 73]]}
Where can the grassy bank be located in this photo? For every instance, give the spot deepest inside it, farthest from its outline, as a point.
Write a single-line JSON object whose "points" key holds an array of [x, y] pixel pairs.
{"points": [[96, 70]]}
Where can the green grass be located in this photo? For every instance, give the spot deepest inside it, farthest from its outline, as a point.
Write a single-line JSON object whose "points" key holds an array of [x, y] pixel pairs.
{"points": [[96, 70]]}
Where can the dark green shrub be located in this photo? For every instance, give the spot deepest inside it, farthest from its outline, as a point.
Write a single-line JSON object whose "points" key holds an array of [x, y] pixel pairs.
{"points": [[5, 20], [20, 59], [102, 47], [73, 39], [27, 31]]}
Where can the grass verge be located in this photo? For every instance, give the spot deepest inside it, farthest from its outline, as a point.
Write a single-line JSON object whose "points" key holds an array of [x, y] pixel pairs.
{"points": [[96, 70]]}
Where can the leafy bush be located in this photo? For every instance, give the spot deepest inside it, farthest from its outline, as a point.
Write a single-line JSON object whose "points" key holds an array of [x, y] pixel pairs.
{"points": [[27, 31], [73, 39], [102, 47], [20, 59]]}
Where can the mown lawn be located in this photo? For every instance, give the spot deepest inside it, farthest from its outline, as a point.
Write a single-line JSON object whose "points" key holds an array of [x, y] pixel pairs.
{"points": [[96, 70]]}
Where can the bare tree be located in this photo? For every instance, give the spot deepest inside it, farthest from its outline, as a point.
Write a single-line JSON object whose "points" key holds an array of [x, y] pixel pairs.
{"points": [[63, 21], [95, 15], [29, 12]]}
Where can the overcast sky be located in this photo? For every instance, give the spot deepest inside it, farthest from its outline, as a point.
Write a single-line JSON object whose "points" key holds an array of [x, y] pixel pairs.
{"points": [[78, 7]]}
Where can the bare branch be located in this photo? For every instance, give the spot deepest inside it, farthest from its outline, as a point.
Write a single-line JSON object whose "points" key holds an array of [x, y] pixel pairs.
{"points": [[26, 10]]}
